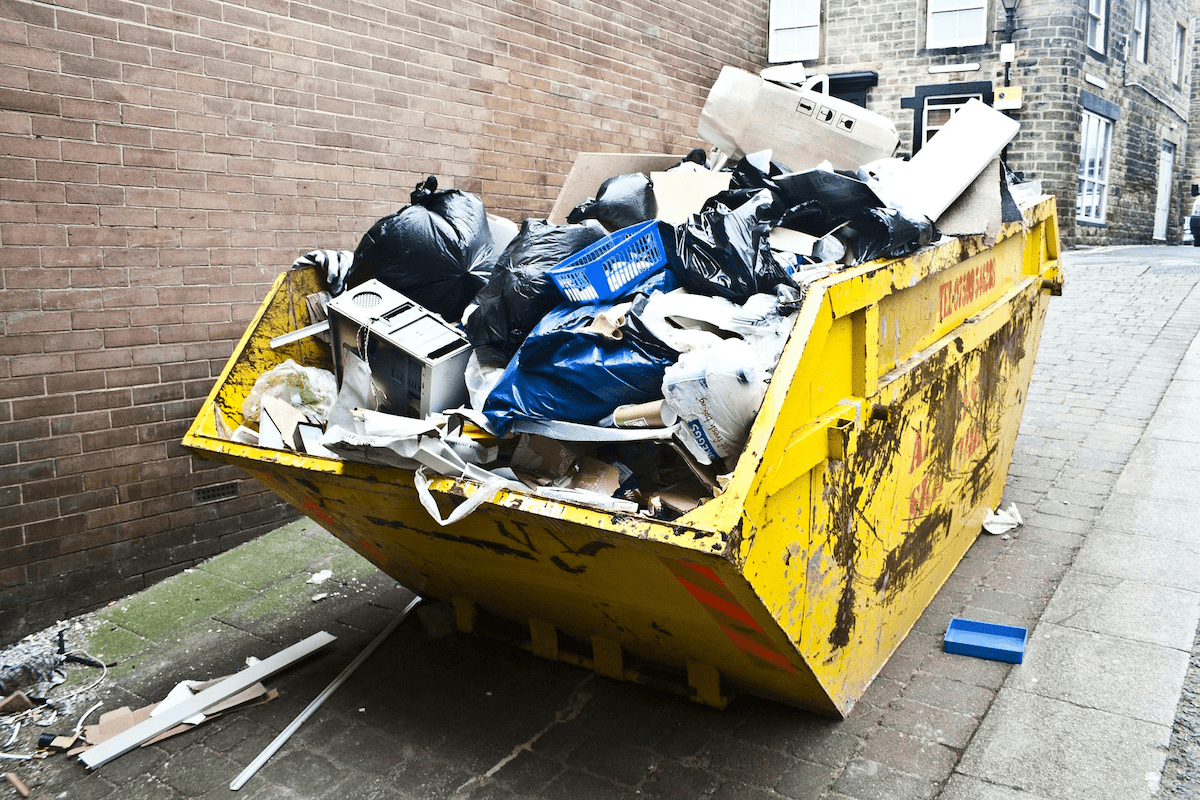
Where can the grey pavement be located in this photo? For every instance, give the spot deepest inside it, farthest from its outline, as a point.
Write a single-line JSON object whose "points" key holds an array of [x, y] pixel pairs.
{"points": [[1105, 573]]}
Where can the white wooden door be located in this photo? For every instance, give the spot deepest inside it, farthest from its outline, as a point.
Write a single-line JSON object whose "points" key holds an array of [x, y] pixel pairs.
{"points": [[1162, 209]]}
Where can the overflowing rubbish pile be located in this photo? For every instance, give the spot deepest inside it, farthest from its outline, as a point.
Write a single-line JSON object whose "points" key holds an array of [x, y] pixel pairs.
{"points": [[616, 353]]}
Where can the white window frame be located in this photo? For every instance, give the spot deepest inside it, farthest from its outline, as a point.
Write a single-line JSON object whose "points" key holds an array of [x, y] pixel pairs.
{"points": [[1177, 54], [940, 102], [1140, 38], [959, 13], [1095, 160], [794, 31], [1097, 21]]}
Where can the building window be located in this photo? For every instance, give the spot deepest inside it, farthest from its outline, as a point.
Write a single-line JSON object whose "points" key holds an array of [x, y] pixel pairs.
{"points": [[956, 23], [1177, 59], [795, 31], [934, 104], [1140, 41], [938, 111], [1096, 23], [1092, 201]]}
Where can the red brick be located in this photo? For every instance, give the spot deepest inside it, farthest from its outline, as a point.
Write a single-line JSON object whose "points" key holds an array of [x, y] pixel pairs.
{"points": [[125, 217], [26, 147], [17, 170], [88, 501], [200, 45], [132, 58], [52, 447], [59, 535], [26, 430], [95, 195], [69, 300], [126, 176], [133, 376], [45, 490], [154, 239], [110, 440], [42, 365], [37, 323], [30, 102], [93, 154], [76, 383], [87, 320], [156, 316], [71, 257], [79, 423], [161, 354], [39, 408], [129, 337], [63, 341], [137, 415], [33, 234], [23, 387], [30, 512], [113, 398]]}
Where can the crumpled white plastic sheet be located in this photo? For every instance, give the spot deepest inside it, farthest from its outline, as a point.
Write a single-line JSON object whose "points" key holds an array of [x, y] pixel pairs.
{"points": [[1002, 520]]}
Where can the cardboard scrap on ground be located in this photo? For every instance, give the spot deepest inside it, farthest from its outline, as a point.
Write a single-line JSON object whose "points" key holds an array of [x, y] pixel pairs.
{"points": [[15, 781], [118, 720], [17, 701]]}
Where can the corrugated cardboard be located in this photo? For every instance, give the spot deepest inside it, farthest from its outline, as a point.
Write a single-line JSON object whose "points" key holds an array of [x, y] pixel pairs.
{"points": [[681, 194], [592, 169], [977, 210]]}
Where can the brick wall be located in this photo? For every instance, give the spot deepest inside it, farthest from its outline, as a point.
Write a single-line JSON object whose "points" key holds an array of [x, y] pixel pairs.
{"points": [[161, 162]]}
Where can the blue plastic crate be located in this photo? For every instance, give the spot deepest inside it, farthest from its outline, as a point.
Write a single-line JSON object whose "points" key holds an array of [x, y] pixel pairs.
{"points": [[970, 637], [608, 267]]}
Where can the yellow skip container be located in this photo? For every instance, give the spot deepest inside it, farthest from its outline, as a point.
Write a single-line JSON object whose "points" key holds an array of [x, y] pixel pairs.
{"points": [[885, 436]]}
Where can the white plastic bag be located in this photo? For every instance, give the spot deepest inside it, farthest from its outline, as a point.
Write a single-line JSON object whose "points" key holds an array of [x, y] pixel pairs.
{"points": [[309, 389], [480, 380], [716, 393]]}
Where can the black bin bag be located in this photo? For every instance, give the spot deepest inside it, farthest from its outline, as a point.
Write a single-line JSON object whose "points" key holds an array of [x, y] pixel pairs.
{"points": [[726, 252], [437, 251], [886, 233], [520, 291], [621, 201]]}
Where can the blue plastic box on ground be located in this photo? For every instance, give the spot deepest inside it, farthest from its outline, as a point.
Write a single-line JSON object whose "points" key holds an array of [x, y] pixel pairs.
{"points": [[970, 637]]}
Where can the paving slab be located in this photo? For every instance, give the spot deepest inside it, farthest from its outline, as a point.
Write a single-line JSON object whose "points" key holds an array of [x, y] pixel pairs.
{"points": [[961, 787], [1121, 608], [1148, 559], [1162, 519], [1095, 670], [1061, 751]]}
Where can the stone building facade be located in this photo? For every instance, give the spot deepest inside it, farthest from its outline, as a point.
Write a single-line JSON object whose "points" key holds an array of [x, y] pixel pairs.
{"points": [[1118, 71]]}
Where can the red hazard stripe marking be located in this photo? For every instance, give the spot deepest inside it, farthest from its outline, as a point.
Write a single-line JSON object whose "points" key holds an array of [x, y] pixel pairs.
{"points": [[726, 607], [713, 603], [707, 572], [757, 649]]}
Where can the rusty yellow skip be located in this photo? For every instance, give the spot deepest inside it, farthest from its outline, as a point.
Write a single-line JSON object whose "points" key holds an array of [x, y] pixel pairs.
{"points": [[885, 436]]}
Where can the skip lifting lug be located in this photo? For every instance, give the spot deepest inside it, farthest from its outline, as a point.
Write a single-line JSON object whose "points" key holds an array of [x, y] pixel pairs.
{"points": [[1053, 285]]}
